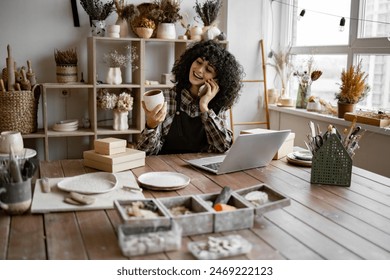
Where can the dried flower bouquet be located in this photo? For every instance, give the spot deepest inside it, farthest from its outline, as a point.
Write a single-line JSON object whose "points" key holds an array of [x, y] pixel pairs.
{"points": [[116, 59], [96, 9], [111, 101], [208, 11], [353, 86]]}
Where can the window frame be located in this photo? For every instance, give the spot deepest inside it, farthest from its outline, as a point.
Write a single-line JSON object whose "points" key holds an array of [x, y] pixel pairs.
{"points": [[356, 46]]}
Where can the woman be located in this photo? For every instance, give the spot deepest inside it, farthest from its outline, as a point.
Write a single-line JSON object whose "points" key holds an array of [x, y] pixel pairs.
{"points": [[193, 118]]}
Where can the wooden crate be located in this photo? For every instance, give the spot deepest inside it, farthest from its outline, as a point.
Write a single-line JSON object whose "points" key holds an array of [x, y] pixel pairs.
{"points": [[367, 120]]}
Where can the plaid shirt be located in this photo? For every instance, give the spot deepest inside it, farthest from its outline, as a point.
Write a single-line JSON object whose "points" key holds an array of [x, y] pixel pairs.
{"points": [[219, 136]]}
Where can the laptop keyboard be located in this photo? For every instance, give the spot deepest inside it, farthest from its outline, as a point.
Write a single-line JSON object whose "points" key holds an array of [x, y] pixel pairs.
{"points": [[213, 166]]}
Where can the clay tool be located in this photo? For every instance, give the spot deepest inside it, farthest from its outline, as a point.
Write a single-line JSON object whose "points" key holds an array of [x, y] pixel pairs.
{"points": [[10, 69], [224, 196]]}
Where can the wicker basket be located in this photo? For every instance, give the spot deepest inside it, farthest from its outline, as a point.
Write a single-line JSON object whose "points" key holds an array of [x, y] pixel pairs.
{"points": [[331, 164], [18, 110], [66, 73]]}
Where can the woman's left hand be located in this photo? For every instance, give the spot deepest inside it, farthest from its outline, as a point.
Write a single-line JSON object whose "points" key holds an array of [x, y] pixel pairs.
{"points": [[210, 93]]}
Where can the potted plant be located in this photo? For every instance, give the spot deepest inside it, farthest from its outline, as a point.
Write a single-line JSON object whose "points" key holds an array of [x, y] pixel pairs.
{"points": [[66, 65], [120, 104], [166, 13], [208, 13], [283, 66], [116, 60], [145, 28], [98, 13], [353, 89], [126, 13], [305, 79]]}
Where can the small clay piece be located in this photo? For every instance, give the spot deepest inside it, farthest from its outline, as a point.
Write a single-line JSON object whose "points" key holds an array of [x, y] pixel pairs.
{"points": [[71, 201], [224, 207], [83, 199], [180, 210], [142, 209], [224, 196], [45, 185], [257, 197]]}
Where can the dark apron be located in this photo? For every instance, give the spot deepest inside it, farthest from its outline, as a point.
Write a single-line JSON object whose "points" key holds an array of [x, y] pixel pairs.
{"points": [[186, 134]]}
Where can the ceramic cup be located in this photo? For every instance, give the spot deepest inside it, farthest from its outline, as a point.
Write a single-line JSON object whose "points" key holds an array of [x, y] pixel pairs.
{"points": [[11, 139], [15, 198], [152, 98]]}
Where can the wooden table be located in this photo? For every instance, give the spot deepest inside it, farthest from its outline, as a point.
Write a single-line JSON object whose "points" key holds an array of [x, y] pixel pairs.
{"points": [[322, 222]]}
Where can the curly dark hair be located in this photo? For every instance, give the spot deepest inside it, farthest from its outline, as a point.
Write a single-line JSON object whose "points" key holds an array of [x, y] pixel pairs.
{"points": [[229, 72]]}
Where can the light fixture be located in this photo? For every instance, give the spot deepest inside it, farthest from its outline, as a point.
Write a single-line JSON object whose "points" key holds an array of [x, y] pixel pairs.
{"points": [[342, 24], [301, 14]]}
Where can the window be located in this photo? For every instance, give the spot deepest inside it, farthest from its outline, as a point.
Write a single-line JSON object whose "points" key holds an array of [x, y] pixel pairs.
{"points": [[365, 37]]}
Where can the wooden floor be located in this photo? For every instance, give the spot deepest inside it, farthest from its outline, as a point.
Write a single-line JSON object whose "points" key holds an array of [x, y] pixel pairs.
{"points": [[322, 222]]}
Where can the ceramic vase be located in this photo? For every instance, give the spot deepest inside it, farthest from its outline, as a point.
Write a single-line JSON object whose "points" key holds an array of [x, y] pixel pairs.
{"points": [[114, 76], [124, 28], [343, 108], [98, 28], [120, 120], [210, 32], [166, 31], [302, 96]]}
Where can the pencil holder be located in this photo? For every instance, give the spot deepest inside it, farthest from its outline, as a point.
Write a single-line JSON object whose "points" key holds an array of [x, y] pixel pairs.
{"points": [[331, 164]]}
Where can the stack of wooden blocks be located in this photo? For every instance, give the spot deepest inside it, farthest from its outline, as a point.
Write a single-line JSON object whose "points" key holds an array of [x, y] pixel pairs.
{"points": [[112, 155]]}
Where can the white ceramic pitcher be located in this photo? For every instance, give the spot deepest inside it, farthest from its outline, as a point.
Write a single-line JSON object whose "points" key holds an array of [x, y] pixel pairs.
{"points": [[11, 139]]}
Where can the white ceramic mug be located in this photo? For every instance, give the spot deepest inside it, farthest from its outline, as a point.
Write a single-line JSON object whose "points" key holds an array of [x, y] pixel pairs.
{"points": [[152, 98], [11, 139]]}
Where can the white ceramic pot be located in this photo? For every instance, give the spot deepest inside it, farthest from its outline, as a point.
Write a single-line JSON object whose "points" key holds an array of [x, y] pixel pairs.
{"points": [[114, 76], [166, 31], [11, 140], [120, 120]]}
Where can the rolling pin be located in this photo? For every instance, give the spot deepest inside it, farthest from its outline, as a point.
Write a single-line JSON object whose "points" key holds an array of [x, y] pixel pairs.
{"points": [[31, 74], [10, 69]]}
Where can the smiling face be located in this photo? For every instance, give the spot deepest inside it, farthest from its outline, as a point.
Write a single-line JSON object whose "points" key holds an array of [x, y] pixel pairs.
{"points": [[201, 71]]}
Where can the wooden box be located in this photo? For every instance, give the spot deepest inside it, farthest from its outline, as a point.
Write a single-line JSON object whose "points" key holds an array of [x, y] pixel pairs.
{"points": [[163, 218], [275, 199], [241, 218], [366, 119], [131, 158], [198, 222], [110, 146]]}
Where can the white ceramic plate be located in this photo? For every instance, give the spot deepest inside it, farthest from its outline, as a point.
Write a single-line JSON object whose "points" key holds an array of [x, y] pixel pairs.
{"points": [[100, 182], [293, 160], [65, 128], [303, 155], [26, 153], [163, 180], [68, 123]]}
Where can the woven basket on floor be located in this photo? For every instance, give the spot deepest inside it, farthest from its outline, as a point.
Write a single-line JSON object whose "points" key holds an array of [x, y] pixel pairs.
{"points": [[18, 111]]}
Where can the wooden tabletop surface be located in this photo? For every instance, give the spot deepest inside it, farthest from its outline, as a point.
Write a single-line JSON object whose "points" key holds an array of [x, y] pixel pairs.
{"points": [[322, 222]]}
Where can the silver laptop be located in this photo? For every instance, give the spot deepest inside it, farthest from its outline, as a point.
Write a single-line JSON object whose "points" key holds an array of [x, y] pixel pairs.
{"points": [[248, 151]]}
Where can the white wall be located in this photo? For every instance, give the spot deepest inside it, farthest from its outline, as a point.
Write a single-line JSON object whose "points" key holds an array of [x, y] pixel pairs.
{"points": [[34, 29]]}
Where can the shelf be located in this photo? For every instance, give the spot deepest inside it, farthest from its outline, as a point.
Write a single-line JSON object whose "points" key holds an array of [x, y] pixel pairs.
{"points": [[148, 50]]}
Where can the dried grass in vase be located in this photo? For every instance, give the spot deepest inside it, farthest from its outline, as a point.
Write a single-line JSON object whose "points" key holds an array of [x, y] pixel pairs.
{"points": [[353, 86], [208, 11], [67, 57]]}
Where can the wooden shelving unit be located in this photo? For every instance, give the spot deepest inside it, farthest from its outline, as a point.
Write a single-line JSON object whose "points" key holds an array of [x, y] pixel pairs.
{"points": [[97, 46]]}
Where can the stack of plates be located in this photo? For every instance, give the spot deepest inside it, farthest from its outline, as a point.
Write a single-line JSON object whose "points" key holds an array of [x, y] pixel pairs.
{"points": [[66, 125], [302, 158], [163, 181]]}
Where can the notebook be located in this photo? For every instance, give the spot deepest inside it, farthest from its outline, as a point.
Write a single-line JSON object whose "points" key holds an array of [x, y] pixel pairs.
{"points": [[248, 151]]}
